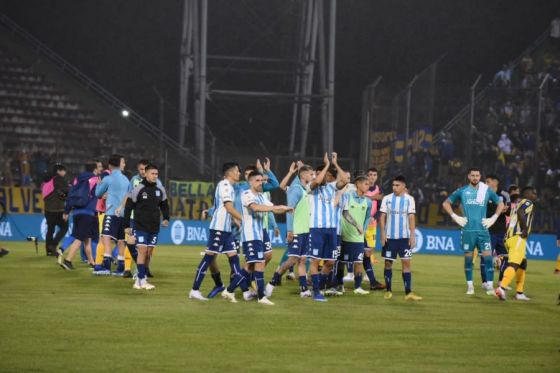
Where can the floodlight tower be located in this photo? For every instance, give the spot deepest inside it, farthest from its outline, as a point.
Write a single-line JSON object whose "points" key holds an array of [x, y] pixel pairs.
{"points": [[316, 51]]}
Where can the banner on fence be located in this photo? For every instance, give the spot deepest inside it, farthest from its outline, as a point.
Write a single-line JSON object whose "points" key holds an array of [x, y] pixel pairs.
{"points": [[16, 227]]}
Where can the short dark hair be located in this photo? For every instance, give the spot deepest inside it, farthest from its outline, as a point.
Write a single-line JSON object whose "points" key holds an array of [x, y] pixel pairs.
{"points": [[115, 160], [250, 168], [400, 178], [359, 173], [91, 166], [372, 169], [58, 167], [360, 178], [144, 162], [332, 170], [151, 166], [304, 168], [512, 187], [528, 188], [473, 169], [493, 177], [228, 166], [254, 174]]}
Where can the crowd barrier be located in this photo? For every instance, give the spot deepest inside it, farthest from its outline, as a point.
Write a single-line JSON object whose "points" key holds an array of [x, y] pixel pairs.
{"points": [[17, 227]]}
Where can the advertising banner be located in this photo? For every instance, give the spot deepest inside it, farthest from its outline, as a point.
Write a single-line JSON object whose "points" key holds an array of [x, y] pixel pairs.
{"points": [[17, 227]]}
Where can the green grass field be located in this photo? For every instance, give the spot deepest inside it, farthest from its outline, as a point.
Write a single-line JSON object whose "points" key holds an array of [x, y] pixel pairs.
{"points": [[53, 320]]}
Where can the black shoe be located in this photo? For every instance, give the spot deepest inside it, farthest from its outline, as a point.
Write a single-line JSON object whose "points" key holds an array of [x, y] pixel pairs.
{"points": [[127, 274], [3, 252], [148, 273], [377, 286], [67, 265]]}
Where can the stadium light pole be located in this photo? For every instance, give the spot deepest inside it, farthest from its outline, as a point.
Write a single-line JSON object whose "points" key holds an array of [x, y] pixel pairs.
{"points": [[538, 134], [368, 109], [471, 121], [332, 45], [407, 128]]}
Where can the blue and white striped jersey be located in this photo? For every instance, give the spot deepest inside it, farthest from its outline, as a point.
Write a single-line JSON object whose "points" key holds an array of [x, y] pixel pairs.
{"points": [[252, 223], [397, 209], [339, 208], [321, 206], [221, 219]]}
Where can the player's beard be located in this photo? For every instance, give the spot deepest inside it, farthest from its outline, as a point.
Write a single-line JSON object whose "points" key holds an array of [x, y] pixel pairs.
{"points": [[474, 185]]}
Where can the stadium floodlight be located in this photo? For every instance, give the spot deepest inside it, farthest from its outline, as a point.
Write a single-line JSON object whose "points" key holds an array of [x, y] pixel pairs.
{"points": [[125, 113]]}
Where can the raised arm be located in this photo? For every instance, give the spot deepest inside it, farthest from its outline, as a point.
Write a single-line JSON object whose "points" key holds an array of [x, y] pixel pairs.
{"points": [[339, 171], [321, 176], [291, 172]]}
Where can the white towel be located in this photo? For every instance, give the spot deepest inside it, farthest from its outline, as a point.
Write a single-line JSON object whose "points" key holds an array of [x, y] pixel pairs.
{"points": [[481, 193]]}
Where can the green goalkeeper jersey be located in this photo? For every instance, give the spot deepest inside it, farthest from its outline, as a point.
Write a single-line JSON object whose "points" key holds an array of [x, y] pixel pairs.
{"points": [[474, 201]]}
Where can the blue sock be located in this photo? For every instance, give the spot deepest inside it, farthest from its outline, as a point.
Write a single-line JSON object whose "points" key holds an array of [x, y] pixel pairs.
{"points": [[388, 273], [201, 271], [120, 264], [107, 262], [323, 279], [303, 283], [369, 271], [468, 267], [340, 274], [259, 278], [141, 271], [503, 266], [357, 281], [316, 280], [482, 270], [133, 252], [217, 277], [350, 267], [66, 243], [489, 264], [275, 278], [244, 285], [407, 280], [234, 264]]}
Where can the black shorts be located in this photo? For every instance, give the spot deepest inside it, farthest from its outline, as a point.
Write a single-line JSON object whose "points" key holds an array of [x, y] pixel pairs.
{"points": [[84, 227]]}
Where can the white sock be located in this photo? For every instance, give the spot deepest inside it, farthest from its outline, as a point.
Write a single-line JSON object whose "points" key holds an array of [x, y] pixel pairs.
{"points": [[470, 283]]}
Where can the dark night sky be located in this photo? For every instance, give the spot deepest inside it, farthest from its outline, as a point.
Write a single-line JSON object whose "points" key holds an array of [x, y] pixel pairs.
{"points": [[129, 46]]}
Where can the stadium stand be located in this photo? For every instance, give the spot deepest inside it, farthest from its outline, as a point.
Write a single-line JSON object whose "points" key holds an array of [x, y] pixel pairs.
{"points": [[51, 112]]}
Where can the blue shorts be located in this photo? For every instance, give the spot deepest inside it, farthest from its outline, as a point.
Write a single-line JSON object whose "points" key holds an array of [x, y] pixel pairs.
{"points": [[352, 252], [145, 238], [497, 241], [322, 244], [299, 245], [85, 226], [253, 251], [266, 241], [220, 242], [395, 247], [113, 226]]}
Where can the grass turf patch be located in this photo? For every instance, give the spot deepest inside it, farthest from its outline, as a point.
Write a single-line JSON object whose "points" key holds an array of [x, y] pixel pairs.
{"points": [[56, 320]]}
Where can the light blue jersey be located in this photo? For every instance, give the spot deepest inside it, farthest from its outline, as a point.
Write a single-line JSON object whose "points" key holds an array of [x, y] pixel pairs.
{"points": [[321, 206], [253, 222], [221, 218], [474, 201], [116, 185], [397, 209]]}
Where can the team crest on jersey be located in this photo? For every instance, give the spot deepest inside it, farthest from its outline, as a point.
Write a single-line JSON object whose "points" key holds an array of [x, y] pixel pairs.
{"points": [[158, 193], [144, 195]]}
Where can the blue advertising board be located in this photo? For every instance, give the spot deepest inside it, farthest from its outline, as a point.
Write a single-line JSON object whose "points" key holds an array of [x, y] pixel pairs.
{"points": [[16, 227]]}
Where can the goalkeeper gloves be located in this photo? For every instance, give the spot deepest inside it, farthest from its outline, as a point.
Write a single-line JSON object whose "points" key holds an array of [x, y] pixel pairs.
{"points": [[460, 220], [488, 222]]}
